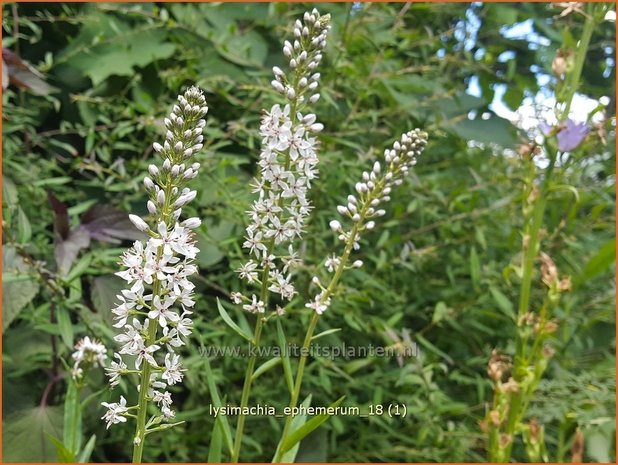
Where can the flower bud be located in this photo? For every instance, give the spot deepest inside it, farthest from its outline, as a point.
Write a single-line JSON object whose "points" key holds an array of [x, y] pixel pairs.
{"points": [[277, 86], [192, 223], [335, 225], [139, 223], [161, 197]]}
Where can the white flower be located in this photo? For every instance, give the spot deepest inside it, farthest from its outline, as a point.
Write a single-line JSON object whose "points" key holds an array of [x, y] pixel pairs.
{"points": [[162, 311], [332, 263], [282, 286], [319, 304], [247, 271], [173, 371], [116, 370], [236, 297], [185, 325], [166, 239], [256, 305], [163, 399], [145, 353], [90, 351], [115, 412], [168, 413]]}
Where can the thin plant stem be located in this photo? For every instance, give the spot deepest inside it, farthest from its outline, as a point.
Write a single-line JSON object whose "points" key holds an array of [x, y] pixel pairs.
{"points": [[311, 329], [142, 405], [519, 401], [578, 66], [246, 389]]}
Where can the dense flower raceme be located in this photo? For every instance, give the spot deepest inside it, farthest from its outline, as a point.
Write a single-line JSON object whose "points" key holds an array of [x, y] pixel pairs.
{"points": [[89, 353], [288, 164], [159, 293], [363, 208]]}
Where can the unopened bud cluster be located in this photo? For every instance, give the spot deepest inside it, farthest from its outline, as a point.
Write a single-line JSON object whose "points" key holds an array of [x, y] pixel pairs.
{"points": [[288, 163], [304, 55], [159, 293], [365, 206]]}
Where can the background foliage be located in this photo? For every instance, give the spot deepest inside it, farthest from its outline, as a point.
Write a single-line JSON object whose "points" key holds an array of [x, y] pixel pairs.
{"points": [[438, 268]]}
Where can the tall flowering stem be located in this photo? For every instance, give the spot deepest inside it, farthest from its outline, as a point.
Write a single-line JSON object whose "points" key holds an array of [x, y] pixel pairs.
{"points": [[288, 164], [362, 209], [511, 397], [159, 294]]}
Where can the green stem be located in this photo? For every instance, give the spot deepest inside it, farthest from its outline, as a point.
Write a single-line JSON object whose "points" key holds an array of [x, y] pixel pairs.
{"points": [[246, 389], [580, 57], [304, 353], [142, 405], [244, 401]]}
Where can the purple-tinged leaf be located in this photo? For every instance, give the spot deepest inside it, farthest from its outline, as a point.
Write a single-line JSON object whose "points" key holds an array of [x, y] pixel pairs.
{"points": [[66, 250], [108, 224], [61, 216]]}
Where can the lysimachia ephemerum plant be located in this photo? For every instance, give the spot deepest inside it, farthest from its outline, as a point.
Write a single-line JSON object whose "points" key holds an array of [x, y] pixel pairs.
{"points": [[361, 211], [154, 311], [287, 167]]}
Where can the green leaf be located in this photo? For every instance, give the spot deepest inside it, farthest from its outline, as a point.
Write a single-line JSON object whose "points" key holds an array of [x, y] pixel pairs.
{"points": [[503, 302], [84, 455], [58, 181], [298, 435], [209, 254], [216, 442], [108, 46], [325, 333], [24, 230], [287, 367], [80, 267], [18, 288], [28, 434], [64, 454], [494, 130], [64, 325], [216, 400], [440, 312], [475, 268], [266, 366], [231, 323], [429, 346], [599, 262], [72, 419], [297, 422]]}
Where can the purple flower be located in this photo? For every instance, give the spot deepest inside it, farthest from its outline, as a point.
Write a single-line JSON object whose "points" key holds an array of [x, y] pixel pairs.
{"points": [[546, 128], [571, 135]]}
